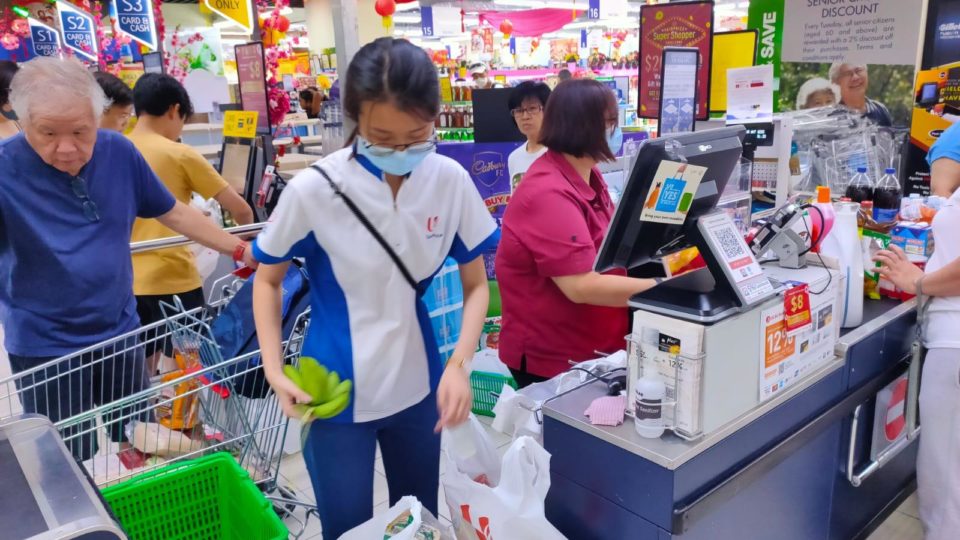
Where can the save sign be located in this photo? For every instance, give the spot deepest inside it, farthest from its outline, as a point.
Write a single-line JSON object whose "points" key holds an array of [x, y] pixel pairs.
{"points": [[46, 40], [78, 31], [135, 19]]}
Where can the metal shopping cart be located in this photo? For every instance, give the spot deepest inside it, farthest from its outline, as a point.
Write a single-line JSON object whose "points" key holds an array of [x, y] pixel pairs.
{"points": [[134, 426]]}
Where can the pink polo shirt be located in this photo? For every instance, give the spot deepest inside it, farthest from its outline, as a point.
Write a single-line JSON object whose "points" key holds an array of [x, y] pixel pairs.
{"points": [[553, 227]]}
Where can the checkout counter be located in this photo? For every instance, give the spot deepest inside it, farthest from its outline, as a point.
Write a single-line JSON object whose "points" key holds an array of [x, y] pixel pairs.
{"points": [[807, 461]]}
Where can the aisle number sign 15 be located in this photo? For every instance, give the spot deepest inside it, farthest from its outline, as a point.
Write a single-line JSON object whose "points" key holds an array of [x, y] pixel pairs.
{"points": [[78, 34]]}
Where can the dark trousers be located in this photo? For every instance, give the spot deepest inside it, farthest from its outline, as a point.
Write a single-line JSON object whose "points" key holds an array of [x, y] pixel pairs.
{"points": [[340, 460], [78, 384], [524, 378]]}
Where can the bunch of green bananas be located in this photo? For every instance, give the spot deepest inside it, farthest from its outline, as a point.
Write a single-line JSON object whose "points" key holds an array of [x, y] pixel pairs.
{"points": [[330, 395]]}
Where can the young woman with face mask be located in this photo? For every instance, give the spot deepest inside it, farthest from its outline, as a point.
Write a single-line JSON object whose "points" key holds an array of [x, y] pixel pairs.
{"points": [[368, 322], [555, 307]]}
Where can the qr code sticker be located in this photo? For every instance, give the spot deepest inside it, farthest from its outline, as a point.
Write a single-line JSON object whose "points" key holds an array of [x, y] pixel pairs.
{"points": [[730, 243]]}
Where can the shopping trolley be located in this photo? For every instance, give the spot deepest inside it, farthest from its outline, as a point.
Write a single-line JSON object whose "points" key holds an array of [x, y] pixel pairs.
{"points": [[138, 424]]}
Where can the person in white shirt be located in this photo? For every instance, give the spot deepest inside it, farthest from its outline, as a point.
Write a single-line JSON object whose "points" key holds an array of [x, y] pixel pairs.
{"points": [[526, 103], [369, 323], [938, 463]]}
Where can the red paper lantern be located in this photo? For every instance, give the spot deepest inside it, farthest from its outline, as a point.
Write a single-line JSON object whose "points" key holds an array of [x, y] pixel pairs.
{"points": [[385, 8], [506, 27], [282, 24]]}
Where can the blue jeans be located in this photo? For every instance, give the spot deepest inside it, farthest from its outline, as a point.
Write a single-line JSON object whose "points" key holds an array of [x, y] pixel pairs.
{"points": [[80, 383], [340, 460]]}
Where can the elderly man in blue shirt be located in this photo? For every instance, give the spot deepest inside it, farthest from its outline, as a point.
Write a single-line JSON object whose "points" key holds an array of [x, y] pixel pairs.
{"points": [[69, 195]]}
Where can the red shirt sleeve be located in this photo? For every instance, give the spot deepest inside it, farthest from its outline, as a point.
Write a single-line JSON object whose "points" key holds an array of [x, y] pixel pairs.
{"points": [[552, 227]]}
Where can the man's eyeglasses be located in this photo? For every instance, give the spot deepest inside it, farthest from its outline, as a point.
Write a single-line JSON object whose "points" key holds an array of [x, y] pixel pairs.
{"points": [[859, 72], [383, 150], [90, 210], [526, 111]]}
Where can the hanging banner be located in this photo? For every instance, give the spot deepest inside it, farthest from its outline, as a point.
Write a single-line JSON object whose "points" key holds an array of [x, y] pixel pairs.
{"points": [[135, 19], [251, 74], [689, 24], [238, 11], [730, 50], [766, 17], [583, 39], [46, 40], [936, 91], [446, 21], [78, 32]]}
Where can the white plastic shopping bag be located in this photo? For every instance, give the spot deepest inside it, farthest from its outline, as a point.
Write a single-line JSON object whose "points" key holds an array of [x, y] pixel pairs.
{"points": [[413, 521], [493, 499]]}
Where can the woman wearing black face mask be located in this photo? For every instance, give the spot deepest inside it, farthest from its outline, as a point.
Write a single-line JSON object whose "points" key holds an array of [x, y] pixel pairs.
{"points": [[8, 125], [369, 324]]}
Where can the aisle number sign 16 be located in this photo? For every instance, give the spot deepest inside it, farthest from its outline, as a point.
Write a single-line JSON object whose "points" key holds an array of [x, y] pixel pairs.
{"points": [[593, 9]]}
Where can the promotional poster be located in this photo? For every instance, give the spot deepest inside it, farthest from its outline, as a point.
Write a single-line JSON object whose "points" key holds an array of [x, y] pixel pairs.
{"points": [[685, 24], [936, 93]]}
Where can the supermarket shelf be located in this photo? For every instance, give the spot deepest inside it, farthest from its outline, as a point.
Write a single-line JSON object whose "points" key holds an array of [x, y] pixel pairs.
{"points": [[457, 103]]}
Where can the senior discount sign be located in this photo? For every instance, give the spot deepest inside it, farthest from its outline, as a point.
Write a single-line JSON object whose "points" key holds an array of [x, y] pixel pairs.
{"points": [[856, 31], [238, 11]]}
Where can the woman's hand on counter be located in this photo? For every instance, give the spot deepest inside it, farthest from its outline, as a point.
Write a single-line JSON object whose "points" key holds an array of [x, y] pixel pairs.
{"points": [[898, 269], [601, 289], [454, 396]]}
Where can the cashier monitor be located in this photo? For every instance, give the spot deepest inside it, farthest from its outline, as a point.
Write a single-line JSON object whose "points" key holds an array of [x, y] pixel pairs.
{"points": [[669, 204]]}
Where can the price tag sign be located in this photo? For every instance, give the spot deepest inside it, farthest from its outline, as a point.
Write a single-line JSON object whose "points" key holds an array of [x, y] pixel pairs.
{"points": [[241, 124], [796, 309], [778, 346]]}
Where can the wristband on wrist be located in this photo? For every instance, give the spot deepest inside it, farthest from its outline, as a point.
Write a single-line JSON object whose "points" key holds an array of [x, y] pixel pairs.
{"points": [[239, 251]]}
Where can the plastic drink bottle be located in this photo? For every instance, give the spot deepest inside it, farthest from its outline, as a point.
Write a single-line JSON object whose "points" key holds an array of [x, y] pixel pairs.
{"points": [[822, 221], [861, 187], [843, 244], [648, 412], [886, 197]]}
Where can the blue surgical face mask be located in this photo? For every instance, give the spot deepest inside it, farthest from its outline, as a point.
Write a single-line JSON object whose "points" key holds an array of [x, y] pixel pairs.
{"points": [[615, 139], [396, 162]]}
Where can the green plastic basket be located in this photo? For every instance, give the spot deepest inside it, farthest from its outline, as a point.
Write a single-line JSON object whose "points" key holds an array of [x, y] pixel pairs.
{"points": [[483, 384], [210, 498]]}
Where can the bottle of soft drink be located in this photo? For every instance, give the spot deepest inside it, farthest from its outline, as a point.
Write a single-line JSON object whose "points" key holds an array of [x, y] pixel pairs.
{"points": [[861, 187], [886, 197]]}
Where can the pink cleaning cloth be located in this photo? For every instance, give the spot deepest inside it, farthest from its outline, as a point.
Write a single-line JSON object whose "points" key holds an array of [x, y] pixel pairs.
{"points": [[607, 410]]}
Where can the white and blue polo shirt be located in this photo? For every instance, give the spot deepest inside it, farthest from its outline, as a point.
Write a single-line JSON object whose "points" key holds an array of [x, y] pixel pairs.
{"points": [[367, 323]]}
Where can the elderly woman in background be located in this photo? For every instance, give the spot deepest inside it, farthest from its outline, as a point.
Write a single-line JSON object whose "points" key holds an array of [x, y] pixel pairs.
{"points": [[817, 92]]}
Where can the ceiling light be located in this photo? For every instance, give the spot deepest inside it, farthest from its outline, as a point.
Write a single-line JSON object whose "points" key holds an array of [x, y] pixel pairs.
{"points": [[408, 6], [406, 19]]}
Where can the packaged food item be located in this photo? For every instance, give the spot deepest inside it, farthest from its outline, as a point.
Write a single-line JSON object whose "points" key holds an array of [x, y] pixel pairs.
{"points": [[915, 239], [404, 520], [872, 242]]}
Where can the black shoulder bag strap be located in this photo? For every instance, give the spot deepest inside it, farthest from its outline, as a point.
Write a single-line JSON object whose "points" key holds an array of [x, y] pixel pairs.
{"points": [[366, 223]]}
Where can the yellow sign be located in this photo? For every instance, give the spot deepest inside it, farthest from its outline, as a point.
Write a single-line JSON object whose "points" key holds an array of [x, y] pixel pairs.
{"points": [[238, 11], [502, 79], [446, 90], [242, 124], [730, 50]]}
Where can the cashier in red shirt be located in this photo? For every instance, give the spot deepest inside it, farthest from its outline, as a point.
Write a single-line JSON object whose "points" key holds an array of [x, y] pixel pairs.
{"points": [[555, 307]]}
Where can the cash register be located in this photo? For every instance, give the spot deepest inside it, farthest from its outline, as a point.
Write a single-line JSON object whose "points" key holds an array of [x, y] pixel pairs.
{"points": [[717, 336]]}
